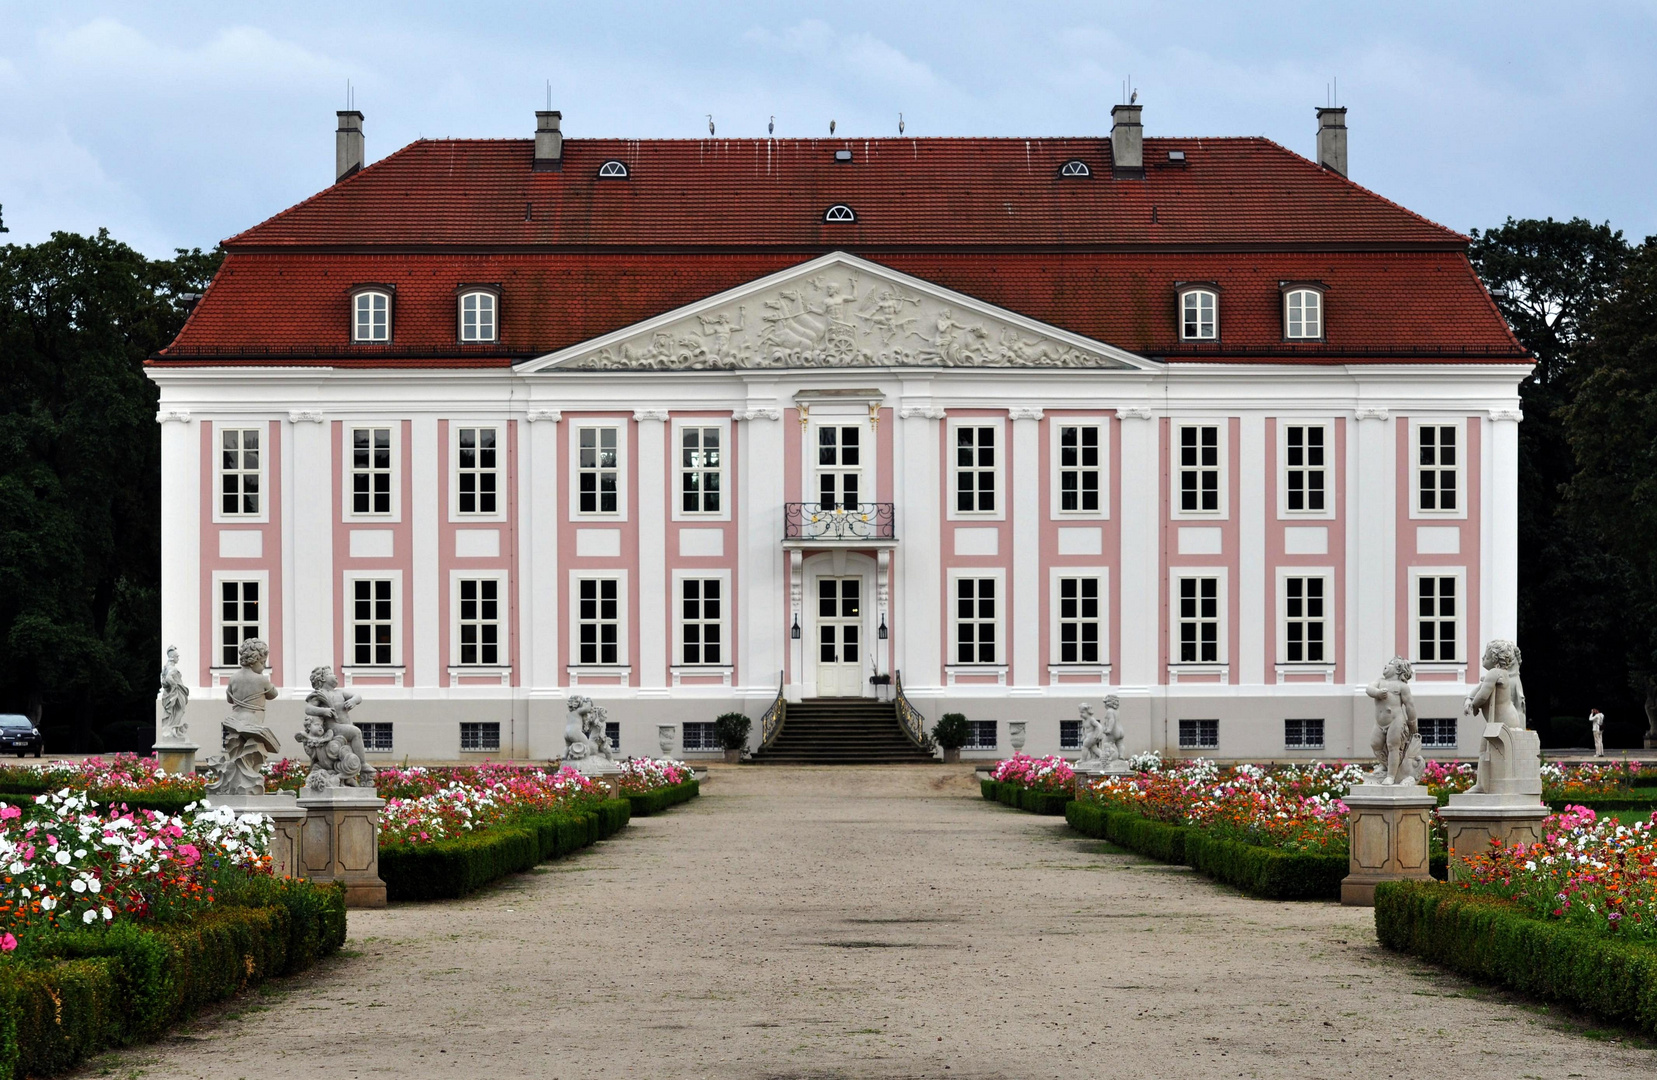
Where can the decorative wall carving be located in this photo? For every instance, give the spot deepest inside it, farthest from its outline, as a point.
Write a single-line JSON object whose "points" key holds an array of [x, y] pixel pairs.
{"points": [[1371, 413], [760, 414], [1023, 414], [304, 416], [1514, 415], [1136, 412], [535, 416], [178, 416], [659, 415], [931, 412]]}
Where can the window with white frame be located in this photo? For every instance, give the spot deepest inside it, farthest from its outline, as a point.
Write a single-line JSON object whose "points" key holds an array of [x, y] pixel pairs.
{"points": [[1070, 734], [371, 470], [476, 469], [1438, 467], [1199, 734], [701, 614], [239, 608], [701, 466], [477, 316], [1199, 620], [612, 734], [1199, 468], [1438, 619], [1438, 731], [1304, 464], [598, 621], [1199, 315], [839, 465], [981, 735], [598, 470], [376, 735], [1081, 618], [975, 462], [1081, 467], [975, 632], [484, 735], [1302, 314], [239, 471], [371, 316], [372, 627], [700, 735], [1305, 623], [479, 621], [1303, 734]]}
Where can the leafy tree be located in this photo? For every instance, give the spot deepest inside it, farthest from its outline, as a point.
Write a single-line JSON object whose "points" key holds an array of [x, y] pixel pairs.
{"points": [[79, 469]]}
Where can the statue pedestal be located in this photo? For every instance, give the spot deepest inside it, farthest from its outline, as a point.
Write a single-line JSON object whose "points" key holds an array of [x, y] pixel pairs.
{"points": [[341, 842], [179, 759], [1388, 830], [600, 770], [1472, 821], [281, 809], [1089, 771]]}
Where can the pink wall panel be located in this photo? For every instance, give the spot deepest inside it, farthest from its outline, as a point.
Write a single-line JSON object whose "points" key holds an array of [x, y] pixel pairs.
{"points": [[628, 559], [448, 562], [677, 563], [1469, 557], [1110, 554], [1277, 557], [1227, 559], [270, 558], [402, 550]]}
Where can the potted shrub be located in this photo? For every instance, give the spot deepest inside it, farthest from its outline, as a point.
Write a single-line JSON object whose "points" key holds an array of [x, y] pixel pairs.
{"points": [[950, 733], [732, 731]]}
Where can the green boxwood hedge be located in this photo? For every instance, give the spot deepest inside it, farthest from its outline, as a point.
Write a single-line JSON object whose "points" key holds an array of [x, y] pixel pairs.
{"points": [[81, 991], [23, 794], [1635, 799], [654, 802], [449, 869], [1022, 798], [1492, 940]]}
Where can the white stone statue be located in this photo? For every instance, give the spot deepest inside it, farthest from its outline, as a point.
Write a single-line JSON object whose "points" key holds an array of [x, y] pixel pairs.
{"points": [[584, 735], [1101, 738], [333, 743], [1397, 739], [1510, 758], [175, 696], [246, 738]]}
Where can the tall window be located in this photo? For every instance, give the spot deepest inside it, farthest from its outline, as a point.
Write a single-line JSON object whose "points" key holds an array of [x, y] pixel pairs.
{"points": [[480, 736], [1303, 620], [1438, 466], [1303, 314], [239, 471], [975, 470], [1079, 619], [599, 469], [599, 620], [1079, 468], [838, 465], [1303, 462], [371, 470], [477, 316], [480, 621], [975, 621], [476, 464], [700, 465], [1199, 468], [238, 618], [700, 624], [372, 317], [1436, 619], [1198, 321], [1199, 620], [371, 627], [1199, 734]]}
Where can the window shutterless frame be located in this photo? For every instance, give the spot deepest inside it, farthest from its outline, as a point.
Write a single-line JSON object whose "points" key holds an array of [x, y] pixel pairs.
{"points": [[598, 621], [1199, 312], [1080, 466], [1200, 477], [242, 454], [1079, 617], [1438, 464], [598, 457], [1198, 619], [477, 314], [241, 610], [372, 458], [1305, 468], [1438, 611], [479, 606], [372, 308], [1303, 311], [1306, 621], [702, 456], [975, 457], [477, 470], [373, 619]]}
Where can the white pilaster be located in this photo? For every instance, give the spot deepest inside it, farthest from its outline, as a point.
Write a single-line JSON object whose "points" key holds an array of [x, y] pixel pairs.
{"points": [[1372, 513], [761, 635], [1252, 595], [313, 510], [1500, 534], [1025, 482], [423, 590], [283, 462], [920, 635], [1138, 476], [538, 503], [181, 539], [653, 606]]}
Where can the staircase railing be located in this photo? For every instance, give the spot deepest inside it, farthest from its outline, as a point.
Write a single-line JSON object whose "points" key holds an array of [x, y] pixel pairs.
{"points": [[909, 718], [770, 725]]}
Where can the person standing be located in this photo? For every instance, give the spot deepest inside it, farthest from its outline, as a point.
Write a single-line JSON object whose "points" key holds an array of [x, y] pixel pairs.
{"points": [[1596, 720]]}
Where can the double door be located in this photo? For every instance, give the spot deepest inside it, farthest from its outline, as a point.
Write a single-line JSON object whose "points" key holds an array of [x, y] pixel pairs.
{"points": [[839, 637]]}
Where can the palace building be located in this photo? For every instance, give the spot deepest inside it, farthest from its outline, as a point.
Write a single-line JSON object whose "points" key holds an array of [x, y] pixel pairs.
{"points": [[686, 426]]}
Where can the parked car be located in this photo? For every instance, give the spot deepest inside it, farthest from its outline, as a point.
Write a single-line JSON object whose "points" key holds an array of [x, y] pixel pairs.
{"points": [[18, 734]]}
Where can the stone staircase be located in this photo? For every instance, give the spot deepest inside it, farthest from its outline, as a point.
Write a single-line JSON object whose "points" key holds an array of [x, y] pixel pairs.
{"points": [[842, 731]]}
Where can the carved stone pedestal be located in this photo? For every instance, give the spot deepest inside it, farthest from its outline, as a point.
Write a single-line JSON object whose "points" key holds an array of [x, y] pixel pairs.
{"points": [[341, 842], [178, 759], [1388, 829], [1472, 821], [1089, 771], [288, 815]]}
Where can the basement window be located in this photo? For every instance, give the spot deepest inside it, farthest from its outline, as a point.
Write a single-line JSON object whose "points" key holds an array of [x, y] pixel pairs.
{"points": [[1075, 167], [612, 170], [838, 213]]}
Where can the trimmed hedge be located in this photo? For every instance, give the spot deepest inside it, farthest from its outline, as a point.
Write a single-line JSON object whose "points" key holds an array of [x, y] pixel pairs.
{"points": [[1022, 798], [1493, 940], [23, 795], [1637, 799], [654, 802], [82, 991], [450, 869]]}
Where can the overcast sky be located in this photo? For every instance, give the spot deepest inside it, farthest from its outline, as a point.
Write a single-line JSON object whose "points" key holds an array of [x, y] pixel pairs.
{"points": [[175, 125]]}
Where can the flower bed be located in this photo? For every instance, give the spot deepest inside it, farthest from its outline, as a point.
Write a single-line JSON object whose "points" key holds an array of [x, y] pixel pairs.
{"points": [[652, 786], [1040, 785]]}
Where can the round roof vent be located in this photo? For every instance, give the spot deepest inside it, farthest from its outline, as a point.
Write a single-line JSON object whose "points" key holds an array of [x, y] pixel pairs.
{"points": [[839, 212]]}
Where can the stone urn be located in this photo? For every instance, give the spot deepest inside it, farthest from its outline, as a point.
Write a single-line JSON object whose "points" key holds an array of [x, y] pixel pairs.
{"points": [[952, 755], [1015, 734], [666, 736], [733, 757]]}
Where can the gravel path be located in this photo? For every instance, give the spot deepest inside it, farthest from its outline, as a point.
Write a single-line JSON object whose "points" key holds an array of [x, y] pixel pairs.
{"points": [[880, 922]]}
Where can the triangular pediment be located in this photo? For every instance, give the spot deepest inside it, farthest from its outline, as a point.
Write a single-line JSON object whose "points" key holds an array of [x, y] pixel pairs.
{"points": [[833, 312]]}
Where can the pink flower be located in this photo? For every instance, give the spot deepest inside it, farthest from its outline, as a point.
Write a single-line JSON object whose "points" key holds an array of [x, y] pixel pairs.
{"points": [[191, 853], [7, 943], [9, 812]]}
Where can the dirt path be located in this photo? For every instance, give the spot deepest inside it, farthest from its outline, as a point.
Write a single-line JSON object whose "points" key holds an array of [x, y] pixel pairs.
{"points": [[871, 923]]}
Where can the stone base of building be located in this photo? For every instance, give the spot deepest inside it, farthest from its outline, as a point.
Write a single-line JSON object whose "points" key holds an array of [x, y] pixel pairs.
{"points": [[340, 842], [1473, 821], [178, 759], [284, 810], [1389, 831]]}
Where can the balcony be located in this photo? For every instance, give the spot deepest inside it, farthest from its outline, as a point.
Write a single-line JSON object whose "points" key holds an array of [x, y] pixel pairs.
{"points": [[853, 523]]}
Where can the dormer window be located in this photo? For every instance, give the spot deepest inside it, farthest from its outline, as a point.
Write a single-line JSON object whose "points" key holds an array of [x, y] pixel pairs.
{"points": [[1199, 314], [477, 315], [839, 212], [371, 315], [1302, 313], [612, 170], [1075, 167]]}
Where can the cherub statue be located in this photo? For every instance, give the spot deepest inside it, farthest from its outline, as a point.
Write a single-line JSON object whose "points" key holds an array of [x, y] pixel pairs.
{"points": [[175, 696], [576, 743], [1114, 734], [1093, 736], [1500, 699], [246, 738], [333, 764], [1397, 739], [332, 706], [598, 740]]}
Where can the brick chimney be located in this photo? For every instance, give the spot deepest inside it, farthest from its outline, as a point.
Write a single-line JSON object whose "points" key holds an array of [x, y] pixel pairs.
{"points": [[1127, 143], [1332, 138], [348, 144], [549, 141]]}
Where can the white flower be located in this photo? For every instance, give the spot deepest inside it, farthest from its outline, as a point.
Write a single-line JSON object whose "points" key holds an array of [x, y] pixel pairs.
{"points": [[78, 885], [63, 858], [107, 914], [89, 916], [47, 903]]}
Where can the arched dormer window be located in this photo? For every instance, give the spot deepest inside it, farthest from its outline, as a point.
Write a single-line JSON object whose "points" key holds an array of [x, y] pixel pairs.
{"points": [[839, 212], [1199, 313], [478, 313], [1075, 167], [371, 314], [1302, 312], [612, 170]]}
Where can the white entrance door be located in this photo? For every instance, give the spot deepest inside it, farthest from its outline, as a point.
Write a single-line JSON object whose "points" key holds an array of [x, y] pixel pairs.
{"points": [[839, 637]]}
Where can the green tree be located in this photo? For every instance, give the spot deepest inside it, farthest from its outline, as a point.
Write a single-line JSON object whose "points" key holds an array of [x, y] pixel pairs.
{"points": [[79, 476]]}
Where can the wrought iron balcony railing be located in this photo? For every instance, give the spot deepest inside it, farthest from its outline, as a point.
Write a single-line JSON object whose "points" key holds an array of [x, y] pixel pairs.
{"points": [[837, 521]]}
